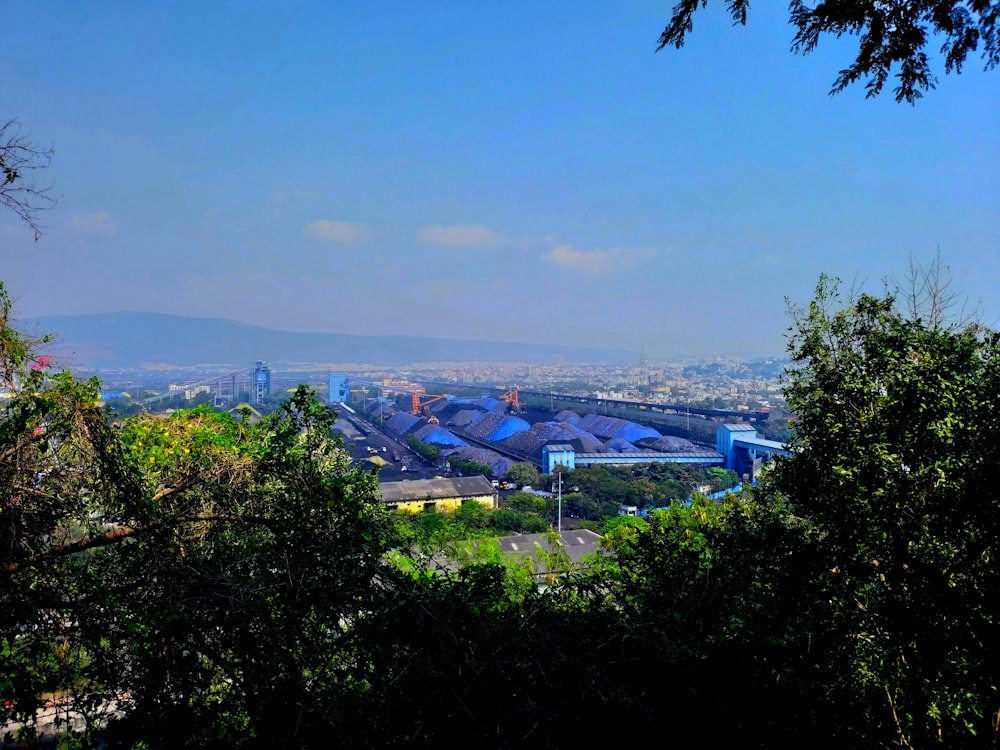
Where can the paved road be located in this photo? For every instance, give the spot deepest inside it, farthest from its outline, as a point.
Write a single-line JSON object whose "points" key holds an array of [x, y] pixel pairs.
{"points": [[359, 436]]}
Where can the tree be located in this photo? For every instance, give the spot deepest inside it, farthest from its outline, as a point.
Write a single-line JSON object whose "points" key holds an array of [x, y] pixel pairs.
{"points": [[20, 160], [426, 450], [895, 463], [710, 598], [523, 473], [143, 563], [894, 34]]}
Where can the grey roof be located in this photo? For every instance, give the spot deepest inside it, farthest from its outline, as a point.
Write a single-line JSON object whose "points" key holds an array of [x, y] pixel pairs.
{"points": [[653, 456], [738, 427], [435, 489], [763, 443], [577, 543]]}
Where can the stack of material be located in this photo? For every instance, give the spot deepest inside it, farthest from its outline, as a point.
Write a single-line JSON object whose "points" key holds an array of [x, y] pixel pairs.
{"points": [[509, 426], [484, 426], [465, 417], [670, 444], [497, 463], [432, 433], [613, 427], [347, 429], [401, 422], [567, 416], [530, 442], [620, 445]]}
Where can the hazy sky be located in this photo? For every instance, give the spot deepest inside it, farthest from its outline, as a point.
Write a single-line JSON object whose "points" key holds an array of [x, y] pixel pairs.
{"points": [[526, 171]]}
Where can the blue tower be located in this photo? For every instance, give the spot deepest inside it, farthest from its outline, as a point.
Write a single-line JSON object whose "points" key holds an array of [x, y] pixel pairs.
{"points": [[261, 382], [339, 392]]}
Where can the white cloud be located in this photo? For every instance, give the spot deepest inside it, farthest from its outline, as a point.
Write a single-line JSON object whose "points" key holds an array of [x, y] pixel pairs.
{"points": [[596, 261], [336, 232], [97, 223], [459, 235]]}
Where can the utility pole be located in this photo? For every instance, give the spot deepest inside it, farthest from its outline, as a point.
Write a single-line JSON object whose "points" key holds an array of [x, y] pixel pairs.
{"points": [[559, 507]]}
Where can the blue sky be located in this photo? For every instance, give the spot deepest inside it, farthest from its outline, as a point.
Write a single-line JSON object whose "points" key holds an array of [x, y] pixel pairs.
{"points": [[508, 171]]}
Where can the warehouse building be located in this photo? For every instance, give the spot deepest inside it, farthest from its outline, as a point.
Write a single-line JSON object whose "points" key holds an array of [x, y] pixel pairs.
{"points": [[416, 495]]}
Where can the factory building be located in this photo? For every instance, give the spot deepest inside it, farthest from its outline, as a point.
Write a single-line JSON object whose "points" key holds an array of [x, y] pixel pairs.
{"points": [[745, 450], [339, 392], [737, 446], [414, 496]]}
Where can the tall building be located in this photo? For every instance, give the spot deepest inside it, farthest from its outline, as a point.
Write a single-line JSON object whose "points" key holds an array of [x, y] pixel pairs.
{"points": [[339, 392], [260, 385]]}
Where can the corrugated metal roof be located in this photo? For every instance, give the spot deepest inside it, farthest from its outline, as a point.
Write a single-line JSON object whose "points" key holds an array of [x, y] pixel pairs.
{"points": [[578, 543], [435, 489], [763, 443], [652, 456]]}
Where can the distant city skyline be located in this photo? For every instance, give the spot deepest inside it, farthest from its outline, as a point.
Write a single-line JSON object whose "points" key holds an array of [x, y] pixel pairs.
{"points": [[517, 173]]}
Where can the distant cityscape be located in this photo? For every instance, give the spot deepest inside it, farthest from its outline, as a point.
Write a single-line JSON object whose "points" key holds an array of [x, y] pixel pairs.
{"points": [[725, 383]]}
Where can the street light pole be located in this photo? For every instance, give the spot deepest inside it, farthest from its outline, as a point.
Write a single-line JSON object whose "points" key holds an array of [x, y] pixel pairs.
{"points": [[559, 506]]}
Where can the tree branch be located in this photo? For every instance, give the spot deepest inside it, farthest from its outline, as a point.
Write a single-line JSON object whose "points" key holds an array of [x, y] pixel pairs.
{"points": [[19, 160], [121, 533]]}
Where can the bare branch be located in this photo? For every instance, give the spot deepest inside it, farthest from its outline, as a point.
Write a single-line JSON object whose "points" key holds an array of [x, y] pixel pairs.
{"points": [[20, 160], [927, 293]]}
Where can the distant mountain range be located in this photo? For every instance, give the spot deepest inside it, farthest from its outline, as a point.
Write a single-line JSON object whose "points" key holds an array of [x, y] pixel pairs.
{"points": [[130, 340]]}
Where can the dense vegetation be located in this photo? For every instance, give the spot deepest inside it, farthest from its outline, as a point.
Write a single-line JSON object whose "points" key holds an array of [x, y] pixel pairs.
{"points": [[425, 450], [463, 466], [204, 580], [646, 485], [431, 530]]}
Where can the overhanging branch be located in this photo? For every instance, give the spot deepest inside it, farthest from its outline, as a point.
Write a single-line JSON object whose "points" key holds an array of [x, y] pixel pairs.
{"points": [[121, 533]]}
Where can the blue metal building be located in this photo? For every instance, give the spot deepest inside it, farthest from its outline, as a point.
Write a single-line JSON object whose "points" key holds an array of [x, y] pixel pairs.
{"points": [[558, 454], [339, 390], [566, 455], [738, 447], [744, 449]]}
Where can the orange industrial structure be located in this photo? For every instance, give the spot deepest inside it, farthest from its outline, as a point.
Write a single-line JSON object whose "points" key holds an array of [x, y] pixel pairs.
{"points": [[511, 398], [418, 407]]}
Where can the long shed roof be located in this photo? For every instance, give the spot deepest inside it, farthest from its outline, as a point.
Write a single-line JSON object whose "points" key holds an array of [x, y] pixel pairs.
{"points": [[409, 490]]}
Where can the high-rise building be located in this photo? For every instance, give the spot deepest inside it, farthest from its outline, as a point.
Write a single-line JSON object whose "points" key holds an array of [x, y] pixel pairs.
{"points": [[261, 382]]}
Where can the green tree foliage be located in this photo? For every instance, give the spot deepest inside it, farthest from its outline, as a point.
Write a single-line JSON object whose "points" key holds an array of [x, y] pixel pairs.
{"points": [[433, 531], [710, 595], [146, 563], [523, 473], [893, 36], [236, 584], [428, 451], [470, 467], [644, 485], [895, 463]]}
